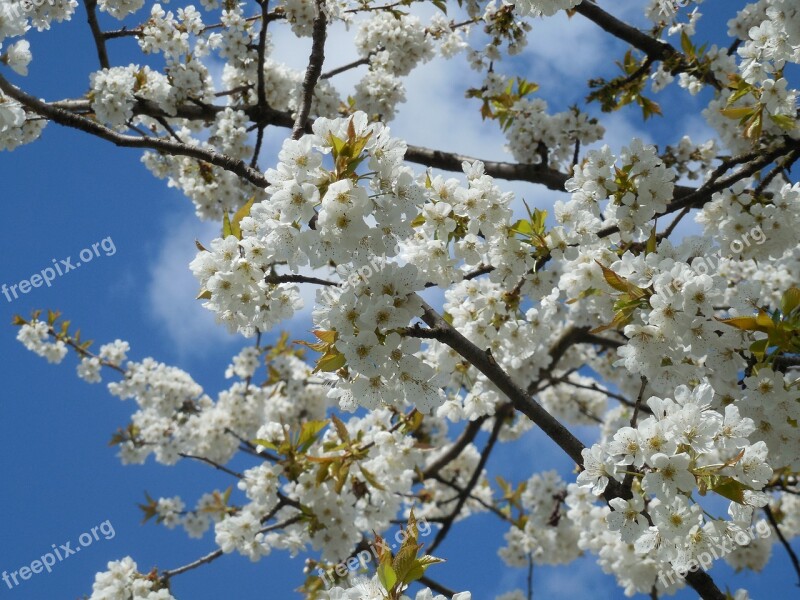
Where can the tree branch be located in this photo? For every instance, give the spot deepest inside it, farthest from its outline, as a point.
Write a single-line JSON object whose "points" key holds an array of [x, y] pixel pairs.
{"points": [[75, 121], [500, 417], [655, 49], [467, 437], [212, 556], [792, 555], [436, 159], [697, 197], [486, 364], [97, 34], [314, 69]]}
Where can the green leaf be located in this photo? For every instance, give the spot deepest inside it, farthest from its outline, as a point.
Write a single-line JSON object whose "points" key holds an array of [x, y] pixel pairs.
{"points": [[652, 243], [522, 227], [204, 295], [404, 561], [428, 560], [790, 300], [329, 337], [341, 429], [585, 294], [754, 126], [649, 107], [539, 218], [415, 573], [331, 361], [743, 323], [265, 443], [337, 143], [370, 477], [739, 112], [620, 283], [226, 225], [686, 44], [241, 214], [309, 432], [759, 348], [359, 145], [742, 90], [731, 489], [387, 576], [783, 121]]}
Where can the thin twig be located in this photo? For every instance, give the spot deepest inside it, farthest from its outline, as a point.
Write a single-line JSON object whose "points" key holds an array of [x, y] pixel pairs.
{"points": [[212, 556], [792, 555], [208, 461], [638, 404], [347, 67], [462, 498]]}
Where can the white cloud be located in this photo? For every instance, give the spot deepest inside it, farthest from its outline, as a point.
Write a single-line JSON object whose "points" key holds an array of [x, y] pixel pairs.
{"points": [[564, 52], [581, 579], [171, 291]]}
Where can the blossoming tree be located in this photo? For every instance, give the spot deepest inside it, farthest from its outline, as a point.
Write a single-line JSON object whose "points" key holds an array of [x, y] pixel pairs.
{"points": [[601, 317]]}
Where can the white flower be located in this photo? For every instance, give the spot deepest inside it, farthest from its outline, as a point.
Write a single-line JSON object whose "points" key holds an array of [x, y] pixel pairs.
{"points": [[598, 467], [627, 517], [19, 56], [670, 475], [89, 369], [11, 114]]}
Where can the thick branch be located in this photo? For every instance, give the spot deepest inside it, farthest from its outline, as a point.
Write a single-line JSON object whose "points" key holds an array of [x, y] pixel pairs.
{"points": [[99, 38], [655, 49], [437, 159], [486, 364], [314, 69], [448, 161], [69, 119]]}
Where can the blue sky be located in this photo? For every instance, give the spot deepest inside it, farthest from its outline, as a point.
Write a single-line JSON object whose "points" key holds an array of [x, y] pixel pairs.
{"points": [[68, 191]]}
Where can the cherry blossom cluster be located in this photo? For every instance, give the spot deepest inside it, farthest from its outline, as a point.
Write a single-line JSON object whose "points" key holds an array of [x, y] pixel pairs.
{"points": [[123, 580], [603, 318], [683, 443], [636, 189], [738, 209], [546, 534], [543, 8], [175, 419], [536, 137], [371, 589]]}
